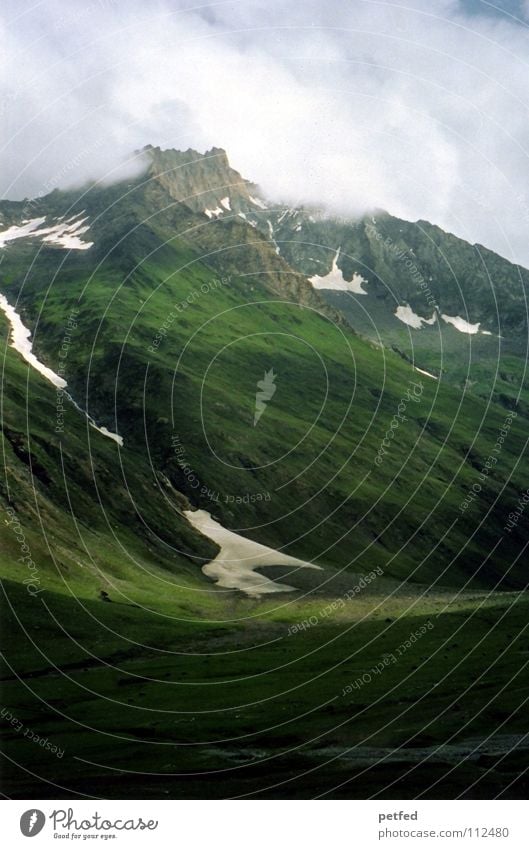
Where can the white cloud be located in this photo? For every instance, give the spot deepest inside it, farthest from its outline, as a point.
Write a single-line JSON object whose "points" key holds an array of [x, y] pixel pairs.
{"points": [[421, 111]]}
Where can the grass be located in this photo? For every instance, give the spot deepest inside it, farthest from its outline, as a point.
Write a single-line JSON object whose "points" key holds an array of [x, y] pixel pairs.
{"points": [[197, 710]]}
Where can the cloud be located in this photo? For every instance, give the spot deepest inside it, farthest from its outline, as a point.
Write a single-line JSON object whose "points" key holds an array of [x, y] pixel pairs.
{"points": [[418, 110]]}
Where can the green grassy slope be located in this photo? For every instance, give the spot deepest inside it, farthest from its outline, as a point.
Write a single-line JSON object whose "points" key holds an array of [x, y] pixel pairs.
{"points": [[170, 345], [74, 496]]}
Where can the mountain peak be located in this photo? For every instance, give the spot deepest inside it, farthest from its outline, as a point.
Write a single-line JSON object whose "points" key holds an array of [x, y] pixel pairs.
{"points": [[156, 152], [205, 182]]}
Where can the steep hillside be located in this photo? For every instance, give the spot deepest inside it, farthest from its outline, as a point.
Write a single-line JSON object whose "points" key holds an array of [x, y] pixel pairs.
{"points": [[454, 309], [182, 314]]}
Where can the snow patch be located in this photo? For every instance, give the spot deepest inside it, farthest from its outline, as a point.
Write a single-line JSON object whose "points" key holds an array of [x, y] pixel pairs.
{"points": [[115, 436], [335, 280], [271, 234], [225, 202], [103, 430], [65, 234], [461, 324], [356, 284], [233, 568], [406, 315], [27, 228], [258, 202], [427, 373], [214, 213], [20, 341]]}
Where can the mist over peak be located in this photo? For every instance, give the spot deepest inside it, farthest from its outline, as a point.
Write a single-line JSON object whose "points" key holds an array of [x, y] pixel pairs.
{"points": [[418, 111]]}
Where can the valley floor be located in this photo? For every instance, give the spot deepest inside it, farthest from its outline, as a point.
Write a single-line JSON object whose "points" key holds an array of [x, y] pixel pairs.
{"points": [[419, 694]]}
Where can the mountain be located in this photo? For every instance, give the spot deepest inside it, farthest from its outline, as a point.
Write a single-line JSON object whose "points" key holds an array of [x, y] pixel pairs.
{"points": [[401, 262], [204, 183], [211, 363], [181, 315], [456, 310], [451, 308]]}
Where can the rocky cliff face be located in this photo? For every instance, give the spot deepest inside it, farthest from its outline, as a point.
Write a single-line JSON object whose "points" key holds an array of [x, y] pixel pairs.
{"points": [[202, 181], [404, 262], [235, 236]]}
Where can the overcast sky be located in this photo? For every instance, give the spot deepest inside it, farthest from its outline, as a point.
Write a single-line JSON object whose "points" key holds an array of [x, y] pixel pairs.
{"points": [[419, 107]]}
